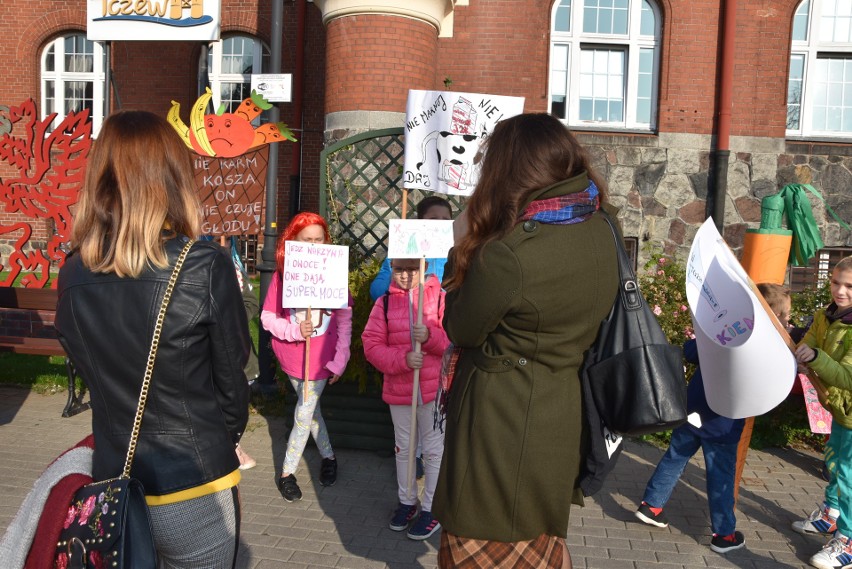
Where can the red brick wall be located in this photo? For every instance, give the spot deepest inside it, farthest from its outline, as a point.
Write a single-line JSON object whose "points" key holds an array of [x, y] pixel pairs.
{"points": [[370, 62], [495, 51], [374, 60], [691, 59], [27, 323], [499, 47], [762, 67], [23, 26], [149, 75], [687, 89]]}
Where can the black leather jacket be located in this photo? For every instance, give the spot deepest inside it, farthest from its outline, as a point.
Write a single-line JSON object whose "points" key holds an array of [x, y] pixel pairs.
{"points": [[198, 401]]}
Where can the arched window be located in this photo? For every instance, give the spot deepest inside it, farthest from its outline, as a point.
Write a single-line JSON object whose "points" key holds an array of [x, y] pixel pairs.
{"points": [[819, 90], [604, 63], [230, 63], [73, 78]]}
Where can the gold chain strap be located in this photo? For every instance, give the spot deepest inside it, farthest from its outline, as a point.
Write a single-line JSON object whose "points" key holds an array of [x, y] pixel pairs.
{"points": [[152, 354]]}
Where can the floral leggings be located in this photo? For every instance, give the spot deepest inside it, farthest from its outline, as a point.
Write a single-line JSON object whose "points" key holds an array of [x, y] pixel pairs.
{"points": [[307, 421]]}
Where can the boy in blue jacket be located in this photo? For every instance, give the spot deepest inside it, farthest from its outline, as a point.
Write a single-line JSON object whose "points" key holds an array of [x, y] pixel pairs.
{"points": [[718, 437]]}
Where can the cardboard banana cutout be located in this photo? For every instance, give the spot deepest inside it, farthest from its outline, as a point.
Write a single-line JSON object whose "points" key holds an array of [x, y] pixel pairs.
{"points": [[227, 134], [197, 132], [177, 123]]}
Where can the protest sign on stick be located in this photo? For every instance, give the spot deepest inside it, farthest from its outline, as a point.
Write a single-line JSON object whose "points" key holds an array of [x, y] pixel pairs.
{"points": [[315, 276], [443, 132], [419, 238]]}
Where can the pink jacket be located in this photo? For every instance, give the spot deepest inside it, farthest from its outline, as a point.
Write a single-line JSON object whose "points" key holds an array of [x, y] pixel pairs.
{"points": [[387, 340], [329, 344]]}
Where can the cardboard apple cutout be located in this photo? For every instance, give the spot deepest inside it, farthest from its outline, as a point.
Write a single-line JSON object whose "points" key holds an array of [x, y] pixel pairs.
{"points": [[227, 134]]}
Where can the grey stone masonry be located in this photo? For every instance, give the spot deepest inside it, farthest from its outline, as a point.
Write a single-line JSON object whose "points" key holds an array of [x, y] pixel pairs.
{"points": [[345, 526], [661, 185]]}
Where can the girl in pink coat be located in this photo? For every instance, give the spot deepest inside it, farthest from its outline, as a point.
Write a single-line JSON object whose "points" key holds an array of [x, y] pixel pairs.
{"points": [[389, 338], [331, 333]]}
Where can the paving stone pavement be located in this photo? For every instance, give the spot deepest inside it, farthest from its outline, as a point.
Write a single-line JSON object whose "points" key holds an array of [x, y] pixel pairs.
{"points": [[345, 526]]}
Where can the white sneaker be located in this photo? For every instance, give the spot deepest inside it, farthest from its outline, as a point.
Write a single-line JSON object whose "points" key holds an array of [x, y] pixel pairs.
{"points": [[835, 554], [822, 520]]}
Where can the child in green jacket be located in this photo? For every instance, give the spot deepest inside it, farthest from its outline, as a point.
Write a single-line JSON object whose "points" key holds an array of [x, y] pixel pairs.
{"points": [[825, 350]]}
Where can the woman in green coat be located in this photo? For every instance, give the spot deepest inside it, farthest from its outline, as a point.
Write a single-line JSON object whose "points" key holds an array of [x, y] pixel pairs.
{"points": [[532, 275]]}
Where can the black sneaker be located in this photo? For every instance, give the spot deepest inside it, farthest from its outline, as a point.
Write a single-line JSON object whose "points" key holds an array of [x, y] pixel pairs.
{"points": [[328, 471], [290, 491], [423, 527], [726, 543], [647, 515], [402, 516]]}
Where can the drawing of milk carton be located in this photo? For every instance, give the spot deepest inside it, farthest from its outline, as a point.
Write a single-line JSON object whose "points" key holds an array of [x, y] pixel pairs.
{"points": [[455, 173], [464, 117]]}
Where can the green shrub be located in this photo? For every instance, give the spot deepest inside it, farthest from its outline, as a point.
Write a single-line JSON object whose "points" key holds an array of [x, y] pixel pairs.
{"points": [[662, 284], [361, 274], [807, 302]]}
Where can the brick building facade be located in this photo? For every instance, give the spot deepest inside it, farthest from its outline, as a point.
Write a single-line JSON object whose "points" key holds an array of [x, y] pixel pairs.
{"points": [[361, 58]]}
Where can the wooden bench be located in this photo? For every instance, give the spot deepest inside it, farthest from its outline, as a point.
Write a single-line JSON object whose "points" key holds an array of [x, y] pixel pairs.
{"points": [[36, 338]]}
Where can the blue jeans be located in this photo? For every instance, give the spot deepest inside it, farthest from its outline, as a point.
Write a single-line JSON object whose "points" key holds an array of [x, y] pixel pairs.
{"points": [[721, 462]]}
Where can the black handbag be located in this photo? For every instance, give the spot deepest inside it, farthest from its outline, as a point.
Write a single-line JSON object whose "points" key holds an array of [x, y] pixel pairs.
{"points": [[107, 524], [635, 376]]}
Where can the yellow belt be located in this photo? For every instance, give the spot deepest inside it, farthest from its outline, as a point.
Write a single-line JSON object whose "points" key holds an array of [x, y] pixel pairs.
{"points": [[227, 481]]}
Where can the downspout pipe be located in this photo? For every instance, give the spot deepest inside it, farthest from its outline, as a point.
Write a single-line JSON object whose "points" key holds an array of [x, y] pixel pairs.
{"points": [[298, 96], [725, 104], [265, 357], [107, 79]]}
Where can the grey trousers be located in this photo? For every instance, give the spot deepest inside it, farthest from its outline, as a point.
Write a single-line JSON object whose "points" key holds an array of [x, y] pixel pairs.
{"points": [[202, 533]]}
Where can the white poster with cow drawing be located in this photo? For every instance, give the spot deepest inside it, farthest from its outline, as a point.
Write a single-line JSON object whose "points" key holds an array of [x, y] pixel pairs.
{"points": [[443, 131]]}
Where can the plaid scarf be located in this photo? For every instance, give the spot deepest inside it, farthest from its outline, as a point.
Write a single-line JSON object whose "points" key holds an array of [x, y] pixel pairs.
{"points": [[564, 210]]}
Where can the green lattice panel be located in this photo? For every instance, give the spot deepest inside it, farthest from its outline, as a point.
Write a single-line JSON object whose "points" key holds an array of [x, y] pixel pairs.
{"points": [[362, 184]]}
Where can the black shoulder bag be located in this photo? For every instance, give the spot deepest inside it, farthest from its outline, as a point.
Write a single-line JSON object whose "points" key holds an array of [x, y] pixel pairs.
{"points": [[633, 380]]}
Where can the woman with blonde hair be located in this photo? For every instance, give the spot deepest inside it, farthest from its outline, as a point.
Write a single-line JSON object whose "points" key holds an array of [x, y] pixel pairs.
{"points": [[137, 210], [531, 276]]}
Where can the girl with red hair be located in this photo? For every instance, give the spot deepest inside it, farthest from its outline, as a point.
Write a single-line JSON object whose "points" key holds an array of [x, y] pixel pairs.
{"points": [[330, 332]]}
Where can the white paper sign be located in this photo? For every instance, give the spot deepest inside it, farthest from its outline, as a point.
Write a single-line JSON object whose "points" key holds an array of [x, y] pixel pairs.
{"points": [[416, 238], [611, 440], [746, 365], [443, 131], [108, 20], [315, 275], [275, 87]]}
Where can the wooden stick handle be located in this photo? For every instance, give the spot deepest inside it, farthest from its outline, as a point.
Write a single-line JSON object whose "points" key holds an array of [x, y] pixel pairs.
{"points": [[415, 392], [307, 359]]}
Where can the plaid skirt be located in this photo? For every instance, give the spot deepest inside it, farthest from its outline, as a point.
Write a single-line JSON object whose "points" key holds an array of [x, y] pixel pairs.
{"points": [[545, 551]]}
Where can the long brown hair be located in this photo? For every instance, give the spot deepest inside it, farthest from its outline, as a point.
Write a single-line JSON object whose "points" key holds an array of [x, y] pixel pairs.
{"points": [[523, 154], [139, 181]]}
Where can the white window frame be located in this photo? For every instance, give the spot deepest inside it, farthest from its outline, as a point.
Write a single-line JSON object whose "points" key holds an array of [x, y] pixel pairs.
{"points": [[59, 77], [217, 77], [810, 49], [631, 43]]}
